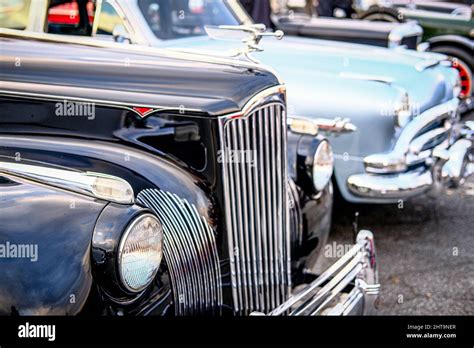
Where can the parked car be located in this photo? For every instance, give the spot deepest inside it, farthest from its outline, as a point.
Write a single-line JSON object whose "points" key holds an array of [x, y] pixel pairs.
{"points": [[403, 103], [389, 29], [448, 28], [303, 21], [125, 189]]}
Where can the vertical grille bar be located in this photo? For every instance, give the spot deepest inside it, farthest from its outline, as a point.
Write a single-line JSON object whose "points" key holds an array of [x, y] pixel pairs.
{"points": [[262, 211], [255, 190], [237, 282], [268, 192]]}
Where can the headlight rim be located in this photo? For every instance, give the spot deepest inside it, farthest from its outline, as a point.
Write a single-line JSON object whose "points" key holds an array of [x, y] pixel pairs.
{"points": [[123, 238], [319, 148]]}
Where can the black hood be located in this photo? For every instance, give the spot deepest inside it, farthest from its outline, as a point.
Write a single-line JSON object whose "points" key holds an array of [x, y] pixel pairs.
{"points": [[130, 76]]}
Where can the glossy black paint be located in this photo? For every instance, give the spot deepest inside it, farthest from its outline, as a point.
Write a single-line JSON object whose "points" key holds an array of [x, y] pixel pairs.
{"points": [[60, 224], [170, 81]]}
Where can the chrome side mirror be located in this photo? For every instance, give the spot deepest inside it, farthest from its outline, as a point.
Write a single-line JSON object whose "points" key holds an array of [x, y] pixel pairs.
{"points": [[120, 34]]}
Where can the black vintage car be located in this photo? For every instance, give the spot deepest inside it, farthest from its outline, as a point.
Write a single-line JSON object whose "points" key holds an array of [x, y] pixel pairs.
{"points": [[140, 182]]}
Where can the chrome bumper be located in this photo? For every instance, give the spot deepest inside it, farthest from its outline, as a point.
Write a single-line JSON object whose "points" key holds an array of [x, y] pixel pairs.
{"points": [[451, 169], [396, 186], [328, 295], [387, 175]]}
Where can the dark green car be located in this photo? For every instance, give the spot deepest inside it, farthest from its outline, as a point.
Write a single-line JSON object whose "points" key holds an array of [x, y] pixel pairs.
{"points": [[448, 28]]}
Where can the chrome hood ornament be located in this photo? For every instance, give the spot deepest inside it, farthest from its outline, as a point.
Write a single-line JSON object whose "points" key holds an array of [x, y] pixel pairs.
{"points": [[250, 35]]}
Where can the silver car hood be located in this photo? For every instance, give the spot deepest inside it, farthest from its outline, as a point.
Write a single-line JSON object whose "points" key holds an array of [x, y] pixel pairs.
{"points": [[314, 62]]}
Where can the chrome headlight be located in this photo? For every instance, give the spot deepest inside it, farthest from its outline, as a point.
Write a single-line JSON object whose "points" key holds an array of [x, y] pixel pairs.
{"points": [[140, 252], [323, 165]]}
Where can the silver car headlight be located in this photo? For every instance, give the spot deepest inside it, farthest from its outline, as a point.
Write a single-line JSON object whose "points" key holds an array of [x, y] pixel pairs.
{"points": [[140, 252], [323, 165]]}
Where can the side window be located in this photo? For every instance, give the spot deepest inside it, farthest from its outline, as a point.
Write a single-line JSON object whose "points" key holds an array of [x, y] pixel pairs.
{"points": [[108, 20], [73, 17], [14, 14]]}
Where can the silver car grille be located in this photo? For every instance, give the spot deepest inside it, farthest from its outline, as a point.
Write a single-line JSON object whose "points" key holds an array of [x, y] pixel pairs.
{"points": [[431, 129], [190, 252], [255, 191]]}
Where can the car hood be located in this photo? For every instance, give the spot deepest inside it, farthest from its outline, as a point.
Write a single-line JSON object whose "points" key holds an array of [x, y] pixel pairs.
{"points": [[294, 58]]}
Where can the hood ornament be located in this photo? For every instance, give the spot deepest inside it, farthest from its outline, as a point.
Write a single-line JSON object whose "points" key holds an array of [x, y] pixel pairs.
{"points": [[250, 35]]}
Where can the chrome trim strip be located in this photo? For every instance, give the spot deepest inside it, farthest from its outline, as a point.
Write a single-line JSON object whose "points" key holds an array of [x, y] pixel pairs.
{"points": [[358, 266], [61, 93], [326, 275], [365, 77], [312, 126], [328, 291], [420, 142], [80, 182], [425, 64]]}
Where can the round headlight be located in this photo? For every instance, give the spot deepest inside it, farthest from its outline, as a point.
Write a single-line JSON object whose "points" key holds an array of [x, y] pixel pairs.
{"points": [[323, 165], [140, 252]]}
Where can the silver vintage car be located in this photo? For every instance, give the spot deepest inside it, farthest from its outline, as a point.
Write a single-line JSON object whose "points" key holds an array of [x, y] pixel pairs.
{"points": [[403, 103]]}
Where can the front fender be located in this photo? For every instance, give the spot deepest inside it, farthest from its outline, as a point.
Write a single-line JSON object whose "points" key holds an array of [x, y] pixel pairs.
{"points": [[45, 240], [140, 168]]}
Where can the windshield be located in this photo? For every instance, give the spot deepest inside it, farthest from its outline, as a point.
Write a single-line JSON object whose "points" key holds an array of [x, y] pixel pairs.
{"points": [[173, 19]]}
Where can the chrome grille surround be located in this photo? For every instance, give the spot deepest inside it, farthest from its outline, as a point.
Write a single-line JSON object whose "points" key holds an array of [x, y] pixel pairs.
{"points": [[256, 202], [190, 252]]}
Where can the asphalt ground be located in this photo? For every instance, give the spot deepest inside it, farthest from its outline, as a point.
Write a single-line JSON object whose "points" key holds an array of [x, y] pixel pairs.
{"points": [[425, 251]]}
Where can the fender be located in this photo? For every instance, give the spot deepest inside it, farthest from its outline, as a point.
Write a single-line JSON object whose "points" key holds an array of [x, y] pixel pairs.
{"points": [[53, 228], [141, 169]]}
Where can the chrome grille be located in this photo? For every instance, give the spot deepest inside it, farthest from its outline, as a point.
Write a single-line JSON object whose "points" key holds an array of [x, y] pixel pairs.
{"points": [[296, 223], [190, 252], [431, 129], [255, 191]]}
